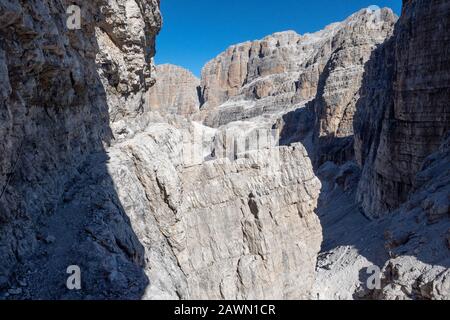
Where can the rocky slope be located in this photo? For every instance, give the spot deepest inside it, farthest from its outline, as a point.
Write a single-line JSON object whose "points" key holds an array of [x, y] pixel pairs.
{"points": [[409, 246]]}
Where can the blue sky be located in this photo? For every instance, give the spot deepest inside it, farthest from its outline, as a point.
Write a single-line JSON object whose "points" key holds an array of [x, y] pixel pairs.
{"points": [[195, 31]]}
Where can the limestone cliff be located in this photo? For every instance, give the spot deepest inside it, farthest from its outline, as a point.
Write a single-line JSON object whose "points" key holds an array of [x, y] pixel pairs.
{"points": [[175, 92], [397, 128], [62, 92], [94, 175], [222, 229], [340, 82], [401, 145], [288, 69], [372, 81], [242, 185]]}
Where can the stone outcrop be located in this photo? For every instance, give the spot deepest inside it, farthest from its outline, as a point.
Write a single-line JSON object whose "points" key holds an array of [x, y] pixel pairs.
{"points": [[276, 58], [363, 76], [401, 145], [340, 81], [399, 127], [409, 247], [417, 236], [175, 92], [262, 77]]}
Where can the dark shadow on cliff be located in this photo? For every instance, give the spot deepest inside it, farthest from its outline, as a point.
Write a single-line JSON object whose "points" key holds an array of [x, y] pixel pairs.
{"points": [[60, 206], [302, 125]]}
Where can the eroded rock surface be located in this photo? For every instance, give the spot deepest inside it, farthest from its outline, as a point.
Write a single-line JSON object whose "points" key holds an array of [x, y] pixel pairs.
{"points": [[340, 82], [287, 69], [177, 91], [403, 155], [63, 95], [104, 171], [223, 229], [95, 176], [413, 115], [409, 247]]}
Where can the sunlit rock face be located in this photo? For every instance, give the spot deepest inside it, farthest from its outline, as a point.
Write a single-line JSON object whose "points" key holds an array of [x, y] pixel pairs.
{"points": [[340, 81], [222, 229], [287, 69], [177, 91]]}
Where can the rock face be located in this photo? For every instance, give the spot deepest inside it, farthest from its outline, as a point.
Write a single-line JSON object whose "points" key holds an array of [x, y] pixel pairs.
{"points": [[340, 81], [176, 91], [94, 177], [277, 57], [408, 247], [413, 115], [63, 94], [286, 69], [223, 229], [171, 191], [404, 157], [417, 235], [262, 77]]}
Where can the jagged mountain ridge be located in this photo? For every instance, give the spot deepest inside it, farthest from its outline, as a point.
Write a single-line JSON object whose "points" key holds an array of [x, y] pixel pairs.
{"points": [[285, 69]]}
